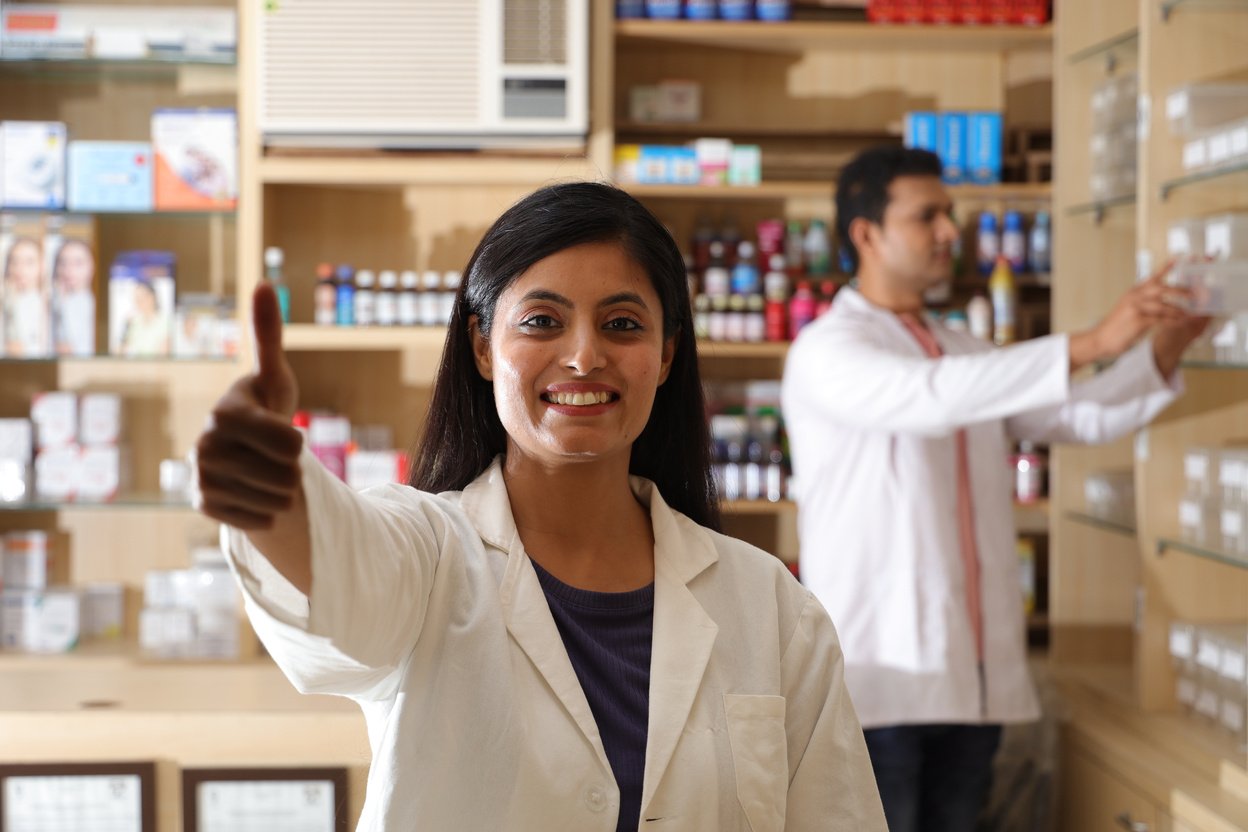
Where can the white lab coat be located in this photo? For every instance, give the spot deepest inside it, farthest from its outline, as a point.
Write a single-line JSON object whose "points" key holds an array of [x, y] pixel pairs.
{"points": [[427, 612], [871, 423]]}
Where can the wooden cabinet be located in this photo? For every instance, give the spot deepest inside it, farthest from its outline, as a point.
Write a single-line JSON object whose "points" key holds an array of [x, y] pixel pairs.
{"points": [[1118, 587]]}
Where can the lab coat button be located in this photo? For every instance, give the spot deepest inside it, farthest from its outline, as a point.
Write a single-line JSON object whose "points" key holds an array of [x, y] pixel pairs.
{"points": [[596, 799]]}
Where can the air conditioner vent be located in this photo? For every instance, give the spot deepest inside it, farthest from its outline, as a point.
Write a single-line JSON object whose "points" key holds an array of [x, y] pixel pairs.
{"points": [[535, 32]]}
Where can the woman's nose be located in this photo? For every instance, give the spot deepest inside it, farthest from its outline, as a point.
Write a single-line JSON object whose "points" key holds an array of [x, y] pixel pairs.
{"points": [[586, 351]]}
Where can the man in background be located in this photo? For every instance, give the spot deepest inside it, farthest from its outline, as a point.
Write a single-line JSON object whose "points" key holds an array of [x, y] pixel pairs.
{"points": [[900, 431]]}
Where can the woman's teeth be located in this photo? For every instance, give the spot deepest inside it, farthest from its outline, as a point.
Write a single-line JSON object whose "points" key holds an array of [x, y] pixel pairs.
{"points": [[578, 399]]}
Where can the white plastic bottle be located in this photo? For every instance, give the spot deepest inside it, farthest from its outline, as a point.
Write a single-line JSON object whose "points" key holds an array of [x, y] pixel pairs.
{"points": [[387, 298], [365, 298], [979, 317], [409, 299], [430, 287]]}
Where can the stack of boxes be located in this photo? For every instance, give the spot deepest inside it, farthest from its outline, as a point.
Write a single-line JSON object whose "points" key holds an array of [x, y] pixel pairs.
{"points": [[1213, 511], [191, 613], [969, 144], [1115, 131], [78, 455], [1211, 667], [38, 618]]}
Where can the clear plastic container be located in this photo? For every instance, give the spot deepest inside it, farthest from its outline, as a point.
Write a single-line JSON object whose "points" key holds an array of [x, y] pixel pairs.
{"points": [[1224, 237], [1186, 238], [1199, 521], [1194, 109], [1200, 471], [1111, 495], [1219, 288]]}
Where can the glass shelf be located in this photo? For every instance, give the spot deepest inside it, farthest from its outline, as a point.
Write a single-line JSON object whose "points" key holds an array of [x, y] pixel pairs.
{"points": [[1238, 166], [1169, 7], [1101, 523], [124, 501], [1164, 544], [1213, 365], [119, 359], [1106, 48], [1100, 206], [228, 213], [52, 65]]}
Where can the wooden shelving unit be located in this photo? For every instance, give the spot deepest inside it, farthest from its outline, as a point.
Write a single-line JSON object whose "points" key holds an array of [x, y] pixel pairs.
{"points": [[804, 37], [1118, 588]]}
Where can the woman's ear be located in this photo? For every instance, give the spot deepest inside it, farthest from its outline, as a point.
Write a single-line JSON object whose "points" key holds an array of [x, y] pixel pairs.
{"points": [[480, 349], [669, 354]]}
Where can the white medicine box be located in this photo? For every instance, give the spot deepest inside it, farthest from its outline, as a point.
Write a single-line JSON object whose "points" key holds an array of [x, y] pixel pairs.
{"points": [[55, 415], [99, 419], [32, 164], [1198, 108]]}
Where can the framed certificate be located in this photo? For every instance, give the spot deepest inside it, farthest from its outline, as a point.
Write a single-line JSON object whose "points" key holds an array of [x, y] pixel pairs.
{"points": [[264, 800], [78, 797]]}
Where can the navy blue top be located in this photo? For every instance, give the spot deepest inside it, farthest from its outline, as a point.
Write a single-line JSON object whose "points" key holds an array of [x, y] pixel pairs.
{"points": [[607, 636]]}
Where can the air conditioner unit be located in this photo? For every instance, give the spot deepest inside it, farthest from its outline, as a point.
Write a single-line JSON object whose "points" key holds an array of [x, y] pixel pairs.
{"points": [[424, 73]]}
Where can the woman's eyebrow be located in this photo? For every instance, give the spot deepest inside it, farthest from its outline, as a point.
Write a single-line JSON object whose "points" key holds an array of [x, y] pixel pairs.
{"points": [[555, 297]]}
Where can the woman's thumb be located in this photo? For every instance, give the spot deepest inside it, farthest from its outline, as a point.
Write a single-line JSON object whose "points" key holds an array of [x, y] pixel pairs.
{"points": [[266, 322]]}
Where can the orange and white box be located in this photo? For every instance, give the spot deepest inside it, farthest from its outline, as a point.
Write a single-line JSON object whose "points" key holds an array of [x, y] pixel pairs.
{"points": [[196, 154]]}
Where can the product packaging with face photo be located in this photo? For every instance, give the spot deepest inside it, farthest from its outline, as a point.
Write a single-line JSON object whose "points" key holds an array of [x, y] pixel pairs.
{"points": [[27, 328], [141, 303], [69, 249]]}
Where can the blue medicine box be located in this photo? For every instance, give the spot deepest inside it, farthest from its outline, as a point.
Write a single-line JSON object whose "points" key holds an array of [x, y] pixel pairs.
{"points": [[920, 130], [654, 165], [110, 176], [984, 148], [951, 146]]}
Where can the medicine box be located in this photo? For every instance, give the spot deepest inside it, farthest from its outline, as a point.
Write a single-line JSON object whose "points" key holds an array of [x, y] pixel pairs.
{"points": [[24, 287], [110, 176], [984, 147], [40, 621], [1218, 288], [1194, 109], [141, 303], [17, 439], [57, 472], [99, 419], [55, 417], [25, 564], [653, 165], [196, 154], [103, 610], [745, 167], [1226, 237], [70, 251], [714, 157], [32, 164], [952, 147], [920, 128], [101, 472]]}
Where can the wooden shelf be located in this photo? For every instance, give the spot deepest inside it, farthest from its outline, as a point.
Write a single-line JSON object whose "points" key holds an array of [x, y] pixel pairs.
{"points": [[1032, 518], [758, 508], [1005, 192], [411, 169], [807, 36], [732, 349], [311, 338], [767, 190], [760, 131]]}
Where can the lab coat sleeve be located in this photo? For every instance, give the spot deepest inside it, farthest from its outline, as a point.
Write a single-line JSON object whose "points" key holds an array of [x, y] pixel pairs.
{"points": [[373, 560], [1108, 406], [831, 785], [851, 379]]}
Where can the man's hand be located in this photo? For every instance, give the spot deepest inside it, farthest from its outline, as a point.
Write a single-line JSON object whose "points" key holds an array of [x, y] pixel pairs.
{"points": [[248, 456], [1170, 341], [1148, 304]]}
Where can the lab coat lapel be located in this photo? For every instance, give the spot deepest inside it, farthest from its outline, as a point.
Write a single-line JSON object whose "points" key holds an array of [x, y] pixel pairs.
{"points": [[684, 635], [525, 609], [533, 627]]}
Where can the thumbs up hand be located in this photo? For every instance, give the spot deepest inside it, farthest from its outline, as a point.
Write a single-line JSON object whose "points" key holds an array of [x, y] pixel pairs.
{"points": [[248, 456]]}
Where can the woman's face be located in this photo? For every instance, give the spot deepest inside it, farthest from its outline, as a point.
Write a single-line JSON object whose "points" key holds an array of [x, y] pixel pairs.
{"points": [[74, 268], [22, 270], [575, 355], [144, 300]]}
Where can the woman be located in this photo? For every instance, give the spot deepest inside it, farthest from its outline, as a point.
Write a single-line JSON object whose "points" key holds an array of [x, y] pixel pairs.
{"points": [[545, 633]]}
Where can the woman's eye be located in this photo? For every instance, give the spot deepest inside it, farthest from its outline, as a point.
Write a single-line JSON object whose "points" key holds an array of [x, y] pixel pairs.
{"points": [[623, 325], [538, 322]]}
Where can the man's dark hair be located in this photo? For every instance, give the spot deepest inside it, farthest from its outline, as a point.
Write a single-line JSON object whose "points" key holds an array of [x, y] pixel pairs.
{"points": [[463, 432], [862, 190]]}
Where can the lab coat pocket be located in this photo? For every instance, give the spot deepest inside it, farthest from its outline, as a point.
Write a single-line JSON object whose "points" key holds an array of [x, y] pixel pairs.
{"points": [[760, 758]]}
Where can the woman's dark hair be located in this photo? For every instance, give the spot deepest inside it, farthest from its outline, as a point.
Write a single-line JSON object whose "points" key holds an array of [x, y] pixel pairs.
{"points": [[862, 189], [463, 433]]}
